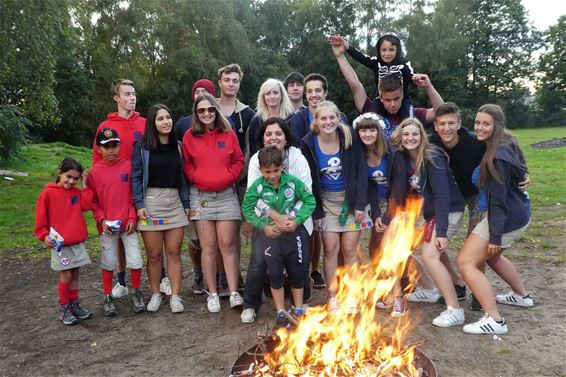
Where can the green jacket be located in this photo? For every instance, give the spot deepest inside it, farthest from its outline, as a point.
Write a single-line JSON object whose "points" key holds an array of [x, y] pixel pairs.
{"points": [[291, 189]]}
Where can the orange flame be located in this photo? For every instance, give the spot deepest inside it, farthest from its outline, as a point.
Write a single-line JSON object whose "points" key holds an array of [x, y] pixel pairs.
{"points": [[353, 344]]}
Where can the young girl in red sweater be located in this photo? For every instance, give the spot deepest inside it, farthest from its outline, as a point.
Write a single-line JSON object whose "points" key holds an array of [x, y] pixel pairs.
{"points": [[60, 209]]}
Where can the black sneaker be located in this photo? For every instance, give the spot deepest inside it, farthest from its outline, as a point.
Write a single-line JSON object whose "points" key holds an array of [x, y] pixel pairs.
{"points": [[475, 305], [137, 300], [460, 293], [66, 315], [79, 311], [319, 282], [109, 308], [282, 321]]}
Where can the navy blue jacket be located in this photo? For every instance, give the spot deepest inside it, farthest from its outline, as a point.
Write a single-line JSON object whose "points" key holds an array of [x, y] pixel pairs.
{"points": [[396, 186], [508, 207], [300, 124], [441, 194], [182, 126], [354, 168]]}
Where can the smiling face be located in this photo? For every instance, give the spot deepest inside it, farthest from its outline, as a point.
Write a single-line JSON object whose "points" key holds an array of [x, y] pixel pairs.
{"points": [[272, 173], [206, 113], [484, 126], [274, 137], [163, 122], [447, 126], [368, 136], [327, 121], [387, 51], [126, 98], [315, 93], [411, 138], [272, 97], [69, 179]]}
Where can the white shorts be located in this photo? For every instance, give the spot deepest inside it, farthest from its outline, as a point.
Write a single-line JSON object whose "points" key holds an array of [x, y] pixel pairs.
{"points": [[109, 250], [482, 230]]}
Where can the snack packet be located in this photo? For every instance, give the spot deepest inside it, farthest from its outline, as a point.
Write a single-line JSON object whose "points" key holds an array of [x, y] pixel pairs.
{"points": [[114, 226], [57, 240]]}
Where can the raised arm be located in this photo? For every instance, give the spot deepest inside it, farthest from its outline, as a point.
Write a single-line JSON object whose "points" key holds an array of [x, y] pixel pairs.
{"points": [[422, 80], [338, 48]]}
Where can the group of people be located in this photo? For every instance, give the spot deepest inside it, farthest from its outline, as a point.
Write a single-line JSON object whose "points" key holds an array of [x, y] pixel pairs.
{"points": [[293, 178]]}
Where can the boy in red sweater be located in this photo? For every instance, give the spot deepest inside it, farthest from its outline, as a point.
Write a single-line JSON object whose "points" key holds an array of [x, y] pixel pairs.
{"points": [[109, 180]]}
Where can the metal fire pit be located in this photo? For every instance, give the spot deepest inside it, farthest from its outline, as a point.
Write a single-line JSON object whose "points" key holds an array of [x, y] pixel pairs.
{"points": [[254, 355]]}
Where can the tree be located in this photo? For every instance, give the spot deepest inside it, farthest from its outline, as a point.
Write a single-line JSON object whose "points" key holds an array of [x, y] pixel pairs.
{"points": [[551, 88]]}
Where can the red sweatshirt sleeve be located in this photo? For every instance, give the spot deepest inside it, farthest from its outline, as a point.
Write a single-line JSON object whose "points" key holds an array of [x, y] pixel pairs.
{"points": [[41, 228]]}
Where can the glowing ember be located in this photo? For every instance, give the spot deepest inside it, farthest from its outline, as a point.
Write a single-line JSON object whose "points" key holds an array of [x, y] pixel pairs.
{"points": [[346, 343]]}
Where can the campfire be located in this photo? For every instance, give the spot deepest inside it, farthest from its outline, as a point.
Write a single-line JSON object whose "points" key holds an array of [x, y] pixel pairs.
{"points": [[348, 342]]}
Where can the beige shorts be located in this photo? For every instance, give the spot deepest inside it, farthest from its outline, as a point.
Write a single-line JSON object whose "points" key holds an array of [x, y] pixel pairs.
{"points": [[109, 250], [482, 230]]}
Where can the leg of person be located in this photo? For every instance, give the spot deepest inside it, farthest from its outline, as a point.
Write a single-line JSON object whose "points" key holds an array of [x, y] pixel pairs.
{"points": [[255, 277], [349, 252], [195, 255], [153, 241], [221, 280], [315, 246], [374, 242], [302, 240], [470, 258], [206, 231], [226, 233], [109, 261], [331, 244], [134, 263], [295, 258], [76, 308], [453, 315], [165, 284], [173, 245], [65, 314], [273, 255], [120, 289], [507, 271]]}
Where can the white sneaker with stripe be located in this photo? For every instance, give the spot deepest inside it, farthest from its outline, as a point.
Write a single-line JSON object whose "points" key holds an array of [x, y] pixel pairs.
{"points": [[512, 298], [486, 326], [449, 317]]}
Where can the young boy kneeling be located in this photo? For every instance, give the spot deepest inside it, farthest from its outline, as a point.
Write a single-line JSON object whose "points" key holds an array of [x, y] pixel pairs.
{"points": [[283, 248]]}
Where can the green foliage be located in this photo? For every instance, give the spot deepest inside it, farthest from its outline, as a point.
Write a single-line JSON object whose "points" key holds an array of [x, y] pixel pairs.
{"points": [[13, 131]]}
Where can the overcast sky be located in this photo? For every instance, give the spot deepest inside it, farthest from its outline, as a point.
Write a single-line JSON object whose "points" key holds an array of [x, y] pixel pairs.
{"points": [[545, 13]]}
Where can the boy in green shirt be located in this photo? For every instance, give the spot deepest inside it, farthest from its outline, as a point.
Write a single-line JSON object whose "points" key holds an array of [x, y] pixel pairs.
{"points": [[283, 246]]}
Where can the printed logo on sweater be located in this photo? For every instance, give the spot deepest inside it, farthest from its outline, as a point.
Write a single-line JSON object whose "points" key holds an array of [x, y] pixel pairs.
{"points": [[124, 177], [221, 145], [74, 200]]}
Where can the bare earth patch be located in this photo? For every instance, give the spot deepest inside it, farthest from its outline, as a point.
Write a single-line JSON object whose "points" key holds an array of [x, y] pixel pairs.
{"points": [[197, 343]]}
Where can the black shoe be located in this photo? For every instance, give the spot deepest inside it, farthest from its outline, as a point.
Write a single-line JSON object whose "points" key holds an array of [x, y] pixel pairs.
{"points": [[137, 300], [460, 294], [66, 315], [319, 282], [282, 321], [109, 308], [79, 311], [475, 305]]}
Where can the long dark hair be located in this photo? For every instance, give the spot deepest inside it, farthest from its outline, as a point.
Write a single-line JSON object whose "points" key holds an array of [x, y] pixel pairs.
{"points": [[67, 164], [150, 139], [282, 123], [220, 122]]}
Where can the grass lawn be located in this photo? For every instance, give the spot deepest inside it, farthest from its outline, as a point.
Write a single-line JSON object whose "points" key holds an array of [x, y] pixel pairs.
{"points": [[40, 161]]}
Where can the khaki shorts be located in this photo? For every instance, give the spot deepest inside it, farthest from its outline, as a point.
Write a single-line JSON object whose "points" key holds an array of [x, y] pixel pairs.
{"points": [[109, 250], [482, 230]]}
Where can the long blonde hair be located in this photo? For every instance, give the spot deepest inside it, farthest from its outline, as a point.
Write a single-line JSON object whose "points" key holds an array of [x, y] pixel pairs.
{"points": [[285, 106], [501, 135], [344, 128], [425, 150]]}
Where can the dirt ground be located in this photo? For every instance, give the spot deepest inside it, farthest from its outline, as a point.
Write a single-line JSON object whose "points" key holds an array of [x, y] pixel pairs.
{"points": [[197, 343]]}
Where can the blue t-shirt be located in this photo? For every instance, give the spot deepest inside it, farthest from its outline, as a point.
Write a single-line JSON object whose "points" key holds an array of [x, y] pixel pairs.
{"points": [[329, 169], [481, 205], [378, 174]]}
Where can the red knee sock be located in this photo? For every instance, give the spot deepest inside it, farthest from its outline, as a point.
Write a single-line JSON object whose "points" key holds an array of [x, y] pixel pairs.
{"points": [[107, 282], [135, 276], [63, 292], [73, 294]]}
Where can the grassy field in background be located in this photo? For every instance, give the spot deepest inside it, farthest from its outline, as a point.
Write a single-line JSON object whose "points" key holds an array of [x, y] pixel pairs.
{"points": [[40, 161]]}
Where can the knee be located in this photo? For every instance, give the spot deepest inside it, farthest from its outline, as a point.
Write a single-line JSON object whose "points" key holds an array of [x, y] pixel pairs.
{"points": [[154, 256], [430, 255], [276, 279], [463, 266], [174, 255]]}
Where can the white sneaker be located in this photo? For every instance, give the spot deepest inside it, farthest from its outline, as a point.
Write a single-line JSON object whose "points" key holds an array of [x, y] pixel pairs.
{"points": [[486, 325], [449, 317], [176, 304], [512, 298], [248, 315], [154, 303], [424, 295], [385, 303], [236, 301], [119, 291], [213, 303], [165, 286], [333, 304]]}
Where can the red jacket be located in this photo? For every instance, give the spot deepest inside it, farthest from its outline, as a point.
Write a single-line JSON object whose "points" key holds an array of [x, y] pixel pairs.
{"points": [[112, 192], [129, 131], [213, 161], [62, 210]]}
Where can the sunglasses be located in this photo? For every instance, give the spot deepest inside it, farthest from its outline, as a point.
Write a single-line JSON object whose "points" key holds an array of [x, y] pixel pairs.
{"points": [[202, 110]]}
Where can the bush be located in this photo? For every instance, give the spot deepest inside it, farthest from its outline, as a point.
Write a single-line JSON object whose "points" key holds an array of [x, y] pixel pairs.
{"points": [[13, 131]]}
